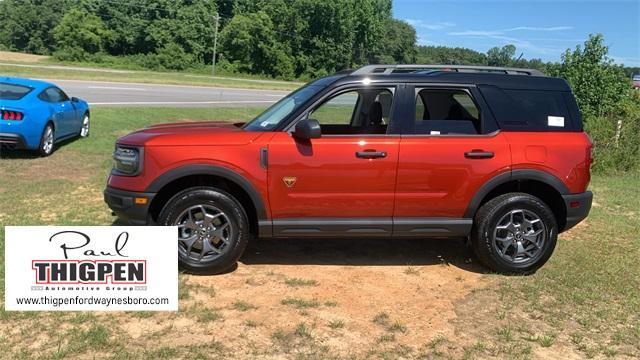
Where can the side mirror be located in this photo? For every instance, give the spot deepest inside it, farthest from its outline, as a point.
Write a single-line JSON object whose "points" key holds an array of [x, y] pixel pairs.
{"points": [[307, 129], [75, 99]]}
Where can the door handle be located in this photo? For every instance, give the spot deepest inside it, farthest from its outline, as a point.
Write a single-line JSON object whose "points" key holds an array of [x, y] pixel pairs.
{"points": [[478, 154], [371, 154]]}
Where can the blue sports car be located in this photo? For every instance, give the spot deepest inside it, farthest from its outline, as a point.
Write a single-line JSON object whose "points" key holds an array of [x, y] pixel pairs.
{"points": [[35, 115]]}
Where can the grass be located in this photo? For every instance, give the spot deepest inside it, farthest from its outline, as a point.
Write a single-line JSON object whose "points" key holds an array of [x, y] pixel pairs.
{"points": [[243, 306], [137, 76], [584, 301], [336, 324], [297, 282], [299, 303]]}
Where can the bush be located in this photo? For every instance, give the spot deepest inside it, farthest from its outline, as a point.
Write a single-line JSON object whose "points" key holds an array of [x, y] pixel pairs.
{"points": [[616, 138], [173, 57]]}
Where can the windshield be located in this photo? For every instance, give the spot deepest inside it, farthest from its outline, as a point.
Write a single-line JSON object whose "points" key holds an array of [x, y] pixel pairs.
{"points": [[270, 119], [13, 92], [636, 77]]}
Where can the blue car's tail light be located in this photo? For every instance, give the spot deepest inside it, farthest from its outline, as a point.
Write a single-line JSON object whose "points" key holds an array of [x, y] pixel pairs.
{"points": [[11, 115]]}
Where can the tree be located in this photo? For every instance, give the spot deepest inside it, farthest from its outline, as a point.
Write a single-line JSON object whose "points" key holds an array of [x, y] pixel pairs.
{"points": [[447, 55], [398, 44], [80, 32], [249, 44], [501, 56], [598, 84], [27, 25]]}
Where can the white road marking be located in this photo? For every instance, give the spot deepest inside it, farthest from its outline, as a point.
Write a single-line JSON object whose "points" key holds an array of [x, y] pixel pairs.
{"points": [[183, 102], [115, 88]]}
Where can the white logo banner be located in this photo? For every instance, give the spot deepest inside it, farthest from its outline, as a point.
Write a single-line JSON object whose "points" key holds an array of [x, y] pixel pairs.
{"points": [[104, 268]]}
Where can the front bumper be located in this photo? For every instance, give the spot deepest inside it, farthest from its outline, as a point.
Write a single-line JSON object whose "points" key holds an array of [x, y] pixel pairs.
{"points": [[128, 206], [578, 207], [14, 141]]}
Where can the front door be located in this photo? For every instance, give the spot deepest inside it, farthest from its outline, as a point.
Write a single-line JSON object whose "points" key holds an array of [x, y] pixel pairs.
{"points": [[343, 182]]}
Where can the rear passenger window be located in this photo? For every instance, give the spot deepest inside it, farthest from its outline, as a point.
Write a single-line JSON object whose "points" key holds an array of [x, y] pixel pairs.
{"points": [[445, 111], [53, 95], [529, 110]]}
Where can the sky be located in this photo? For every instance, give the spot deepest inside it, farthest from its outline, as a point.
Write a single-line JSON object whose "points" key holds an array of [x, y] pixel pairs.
{"points": [[538, 28]]}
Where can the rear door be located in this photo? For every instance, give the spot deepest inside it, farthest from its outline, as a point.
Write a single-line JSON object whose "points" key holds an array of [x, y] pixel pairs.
{"points": [[341, 183], [450, 147]]}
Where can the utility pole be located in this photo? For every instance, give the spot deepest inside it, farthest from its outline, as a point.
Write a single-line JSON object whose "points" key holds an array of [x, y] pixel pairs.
{"points": [[215, 43]]}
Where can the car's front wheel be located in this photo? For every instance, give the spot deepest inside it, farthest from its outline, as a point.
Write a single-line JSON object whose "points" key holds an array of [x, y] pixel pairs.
{"points": [[213, 229], [514, 233], [47, 140]]}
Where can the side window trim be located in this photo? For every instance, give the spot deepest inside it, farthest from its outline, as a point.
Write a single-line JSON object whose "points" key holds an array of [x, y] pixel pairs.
{"points": [[45, 97], [393, 87], [488, 126]]}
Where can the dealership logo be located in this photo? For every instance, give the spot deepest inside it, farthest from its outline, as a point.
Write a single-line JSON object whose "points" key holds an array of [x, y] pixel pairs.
{"points": [[91, 268], [90, 271]]}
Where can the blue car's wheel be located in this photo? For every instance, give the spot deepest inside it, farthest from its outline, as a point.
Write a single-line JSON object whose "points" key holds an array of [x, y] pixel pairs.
{"points": [[84, 131], [47, 140]]}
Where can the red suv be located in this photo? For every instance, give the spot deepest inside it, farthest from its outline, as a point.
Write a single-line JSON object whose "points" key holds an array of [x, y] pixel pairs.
{"points": [[496, 155]]}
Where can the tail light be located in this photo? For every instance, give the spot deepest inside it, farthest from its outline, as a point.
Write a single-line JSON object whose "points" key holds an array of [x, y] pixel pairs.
{"points": [[11, 115]]}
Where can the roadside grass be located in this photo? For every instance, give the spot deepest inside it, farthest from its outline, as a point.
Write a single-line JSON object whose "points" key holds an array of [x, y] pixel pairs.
{"points": [[585, 301], [96, 73]]}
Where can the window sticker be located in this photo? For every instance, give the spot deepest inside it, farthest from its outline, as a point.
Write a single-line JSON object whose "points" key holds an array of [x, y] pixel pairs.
{"points": [[555, 121], [435, 132]]}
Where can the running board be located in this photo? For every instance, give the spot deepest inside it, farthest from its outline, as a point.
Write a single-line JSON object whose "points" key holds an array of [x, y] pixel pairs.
{"points": [[365, 227]]}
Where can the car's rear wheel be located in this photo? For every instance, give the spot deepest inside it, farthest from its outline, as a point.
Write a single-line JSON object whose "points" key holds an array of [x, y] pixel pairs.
{"points": [[47, 140], [84, 131], [213, 229], [514, 233]]}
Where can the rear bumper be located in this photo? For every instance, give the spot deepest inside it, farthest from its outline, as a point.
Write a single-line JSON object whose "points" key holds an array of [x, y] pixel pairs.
{"points": [[14, 141], [578, 207], [124, 205]]}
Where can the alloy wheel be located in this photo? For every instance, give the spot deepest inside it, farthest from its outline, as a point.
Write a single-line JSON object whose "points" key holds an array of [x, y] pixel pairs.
{"points": [[520, 236], [204, 232], [85, 127], [47, 144]]}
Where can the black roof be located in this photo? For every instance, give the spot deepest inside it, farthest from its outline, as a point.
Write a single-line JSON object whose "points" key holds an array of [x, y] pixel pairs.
{"points": [[504, 81]]}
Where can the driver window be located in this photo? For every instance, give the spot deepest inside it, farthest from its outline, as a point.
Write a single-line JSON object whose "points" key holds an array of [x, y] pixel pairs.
{"points": [[361, 111]]}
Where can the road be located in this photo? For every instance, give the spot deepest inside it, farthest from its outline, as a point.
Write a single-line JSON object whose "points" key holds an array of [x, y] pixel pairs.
{"points": [[101, 93]]}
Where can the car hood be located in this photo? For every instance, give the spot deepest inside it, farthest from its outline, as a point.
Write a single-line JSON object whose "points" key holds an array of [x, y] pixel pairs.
{"points": [[193, 133]]}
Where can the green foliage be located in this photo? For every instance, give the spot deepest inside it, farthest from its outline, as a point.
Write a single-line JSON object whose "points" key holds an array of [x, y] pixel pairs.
{"points": [[447, 55], [27, 25], [249, 43], [598, 84], [616, 137], [501, 56], [79, 33], [397, 45]]}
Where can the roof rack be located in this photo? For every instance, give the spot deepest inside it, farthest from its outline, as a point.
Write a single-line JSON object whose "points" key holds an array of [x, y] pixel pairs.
{"points": [[400, 68]]}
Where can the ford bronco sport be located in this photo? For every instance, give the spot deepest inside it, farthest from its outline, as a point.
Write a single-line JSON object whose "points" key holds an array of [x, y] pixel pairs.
{"points": [[494, 155]]}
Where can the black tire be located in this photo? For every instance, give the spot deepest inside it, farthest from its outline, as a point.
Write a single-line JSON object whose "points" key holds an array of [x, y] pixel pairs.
{"points": [[483, 233], [44, 149], [236, 216]]}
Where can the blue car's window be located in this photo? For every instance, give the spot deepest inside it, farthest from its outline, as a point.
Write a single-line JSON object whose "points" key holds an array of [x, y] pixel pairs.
{"points": [[53, 95], [13, 91]]}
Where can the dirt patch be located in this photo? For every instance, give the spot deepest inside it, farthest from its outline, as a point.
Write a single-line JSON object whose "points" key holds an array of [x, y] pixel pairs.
{"points": [[21, 57], [363, 292]]}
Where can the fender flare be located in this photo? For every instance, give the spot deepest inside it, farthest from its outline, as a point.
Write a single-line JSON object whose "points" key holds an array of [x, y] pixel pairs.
{"points": [[519, 174], [225, 173]]}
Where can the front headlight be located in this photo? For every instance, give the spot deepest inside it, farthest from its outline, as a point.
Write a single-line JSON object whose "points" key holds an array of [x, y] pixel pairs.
{"points": [[127, 160]]}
